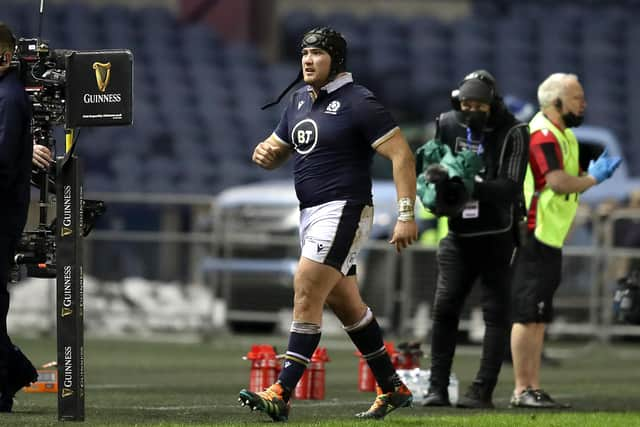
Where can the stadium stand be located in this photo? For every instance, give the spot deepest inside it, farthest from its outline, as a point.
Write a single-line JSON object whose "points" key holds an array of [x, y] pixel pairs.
{"points": [[521, 42], [197, 96]]}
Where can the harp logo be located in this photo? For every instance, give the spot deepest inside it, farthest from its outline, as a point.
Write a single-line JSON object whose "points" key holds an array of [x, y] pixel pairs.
{"points": [[66, 231], [103, 74]]}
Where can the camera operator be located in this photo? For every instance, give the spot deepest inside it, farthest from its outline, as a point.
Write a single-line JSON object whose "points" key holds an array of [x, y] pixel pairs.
{"points": [[16, 150], [482, 235]]}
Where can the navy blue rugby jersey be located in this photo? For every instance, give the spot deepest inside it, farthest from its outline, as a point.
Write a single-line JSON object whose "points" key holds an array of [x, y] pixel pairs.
{"points": [[334, 139]]}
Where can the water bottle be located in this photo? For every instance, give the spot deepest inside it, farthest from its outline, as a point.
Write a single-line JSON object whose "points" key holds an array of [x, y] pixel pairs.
{"points": [[417, 381], [453, 389]]}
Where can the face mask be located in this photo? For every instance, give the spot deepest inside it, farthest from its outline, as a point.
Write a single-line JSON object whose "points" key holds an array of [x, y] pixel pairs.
{"points": [[475, 120], [571, 120]]}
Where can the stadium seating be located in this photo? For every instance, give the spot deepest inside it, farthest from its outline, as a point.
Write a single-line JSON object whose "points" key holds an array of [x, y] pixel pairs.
{"points": [[197, 96], [521, 43]]}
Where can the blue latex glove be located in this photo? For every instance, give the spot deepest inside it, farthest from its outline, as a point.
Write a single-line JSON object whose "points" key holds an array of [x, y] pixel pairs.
{"points": [[603, 167]]}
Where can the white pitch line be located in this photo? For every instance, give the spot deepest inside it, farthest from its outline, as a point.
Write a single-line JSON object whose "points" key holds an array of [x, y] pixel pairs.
{"points": [[319, 403], [309, 403], [159, 408], [120, 386]]}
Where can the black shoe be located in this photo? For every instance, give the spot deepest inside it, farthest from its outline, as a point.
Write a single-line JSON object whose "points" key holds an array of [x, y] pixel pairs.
{"points": [[476, 397], [538, 399], [437, 397]]}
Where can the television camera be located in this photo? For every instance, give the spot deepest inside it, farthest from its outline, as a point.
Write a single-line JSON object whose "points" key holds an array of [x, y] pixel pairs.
{"points": [[56, 81], [43, 74]]}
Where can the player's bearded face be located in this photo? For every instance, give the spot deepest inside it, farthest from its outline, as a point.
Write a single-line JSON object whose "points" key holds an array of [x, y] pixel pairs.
{"points": [[316, 65]]}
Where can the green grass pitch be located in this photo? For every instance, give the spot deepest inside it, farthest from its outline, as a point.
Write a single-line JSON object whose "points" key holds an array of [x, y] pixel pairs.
{"points": [[168, 384]]}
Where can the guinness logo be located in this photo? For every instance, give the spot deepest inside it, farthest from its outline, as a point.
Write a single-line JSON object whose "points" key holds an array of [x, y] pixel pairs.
{"points": [[66, 311], [66, 231], [66, 392], [103, 74]]}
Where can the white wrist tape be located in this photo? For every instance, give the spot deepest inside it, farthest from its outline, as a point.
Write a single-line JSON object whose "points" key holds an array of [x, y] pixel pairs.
{"points": [[405, 209]]}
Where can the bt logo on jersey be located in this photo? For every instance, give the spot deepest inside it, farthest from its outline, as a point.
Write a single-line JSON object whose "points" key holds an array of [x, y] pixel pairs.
{"points": [[305, 136]]}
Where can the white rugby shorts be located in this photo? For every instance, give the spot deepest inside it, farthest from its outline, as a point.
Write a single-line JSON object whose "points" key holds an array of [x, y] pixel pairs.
{"points": [[333, 233]]}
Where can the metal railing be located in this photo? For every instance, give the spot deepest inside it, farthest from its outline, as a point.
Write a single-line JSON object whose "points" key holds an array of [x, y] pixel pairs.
{"points": [[174, 228], [396, 286]]}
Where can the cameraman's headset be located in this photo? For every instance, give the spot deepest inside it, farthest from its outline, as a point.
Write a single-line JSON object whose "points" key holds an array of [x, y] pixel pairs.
{"points": [[485, 78], [3, 57]]}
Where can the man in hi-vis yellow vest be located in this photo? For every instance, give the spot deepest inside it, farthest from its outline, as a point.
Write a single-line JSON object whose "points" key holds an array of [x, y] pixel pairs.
{"points": [[552, 187]]}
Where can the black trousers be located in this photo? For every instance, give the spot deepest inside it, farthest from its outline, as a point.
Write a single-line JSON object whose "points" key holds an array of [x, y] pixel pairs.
{"points": [[462, 261], [7, 251]]}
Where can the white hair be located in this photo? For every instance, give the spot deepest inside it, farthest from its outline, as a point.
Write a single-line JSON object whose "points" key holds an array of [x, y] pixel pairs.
{"points": [[553, 88]]}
